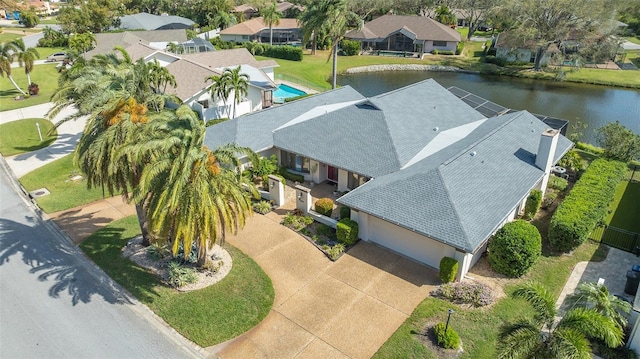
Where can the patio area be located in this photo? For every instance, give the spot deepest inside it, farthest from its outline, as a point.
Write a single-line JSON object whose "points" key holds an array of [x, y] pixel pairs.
{"points": [[325, 189]]}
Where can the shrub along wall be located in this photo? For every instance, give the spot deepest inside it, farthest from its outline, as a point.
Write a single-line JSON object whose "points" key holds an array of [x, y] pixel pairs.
{"points": [[586, 205], [278, 52]]}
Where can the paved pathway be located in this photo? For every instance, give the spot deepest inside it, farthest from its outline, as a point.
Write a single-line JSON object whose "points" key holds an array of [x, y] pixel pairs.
{"points": [[324, 309], [68, 136]]}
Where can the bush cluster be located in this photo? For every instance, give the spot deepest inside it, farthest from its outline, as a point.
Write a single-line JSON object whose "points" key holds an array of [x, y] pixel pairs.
{"points": [[324, 230], [296, 222], [334, 252], [180, 275], [448, 338], [476, 294], [558, 183], [290, 176], [532, 205], [572, 160], [347, 231], [324, 206], [284, 52], [500, 61], [459, 48], [586, 205], [350, 47], [345, 212], [515, 248], [448, 269], [262, 207]]}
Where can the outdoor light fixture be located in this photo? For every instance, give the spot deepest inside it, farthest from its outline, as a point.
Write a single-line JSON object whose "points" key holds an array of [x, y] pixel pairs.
{"points": [[300, 196], [446, 327], [272, 184]]}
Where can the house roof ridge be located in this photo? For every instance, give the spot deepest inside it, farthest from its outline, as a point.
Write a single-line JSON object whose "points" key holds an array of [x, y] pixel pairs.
{"points": [[454, 209], [396, 155]]}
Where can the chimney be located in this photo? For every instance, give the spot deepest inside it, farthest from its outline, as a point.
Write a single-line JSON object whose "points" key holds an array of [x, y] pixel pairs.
{"points": [[547, 149]]}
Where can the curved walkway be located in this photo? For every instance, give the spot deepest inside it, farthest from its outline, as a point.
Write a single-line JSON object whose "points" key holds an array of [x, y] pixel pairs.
{"points": [[324, 309]]}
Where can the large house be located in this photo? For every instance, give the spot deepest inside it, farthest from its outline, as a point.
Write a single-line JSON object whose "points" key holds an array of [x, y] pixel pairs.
{"points": [[145, 21], [287, 31], [428, 175], [191, 69], [406, 33]]}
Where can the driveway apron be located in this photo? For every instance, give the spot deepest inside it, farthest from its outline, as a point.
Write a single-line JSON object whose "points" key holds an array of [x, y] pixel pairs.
{"points": [[325, 309]]}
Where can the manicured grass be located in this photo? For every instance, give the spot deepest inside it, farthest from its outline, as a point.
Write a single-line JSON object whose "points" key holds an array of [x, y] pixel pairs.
{"points": [[22, 136], [46, 51], [65, 193], [46, 76], [7, 36], [478, 328], [626, 207], [207, 316]]}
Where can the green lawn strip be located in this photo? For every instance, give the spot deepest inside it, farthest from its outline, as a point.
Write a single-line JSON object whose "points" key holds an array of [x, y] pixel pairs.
{"points": [[7, 36], [207, 316], [478, 328], [46, 51], [625, 207], [65, 193], [22, 136], [46, 76]]}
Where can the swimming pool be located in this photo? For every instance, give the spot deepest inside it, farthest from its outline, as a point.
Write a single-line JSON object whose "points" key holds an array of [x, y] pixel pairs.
{"points": [[283, 92]]}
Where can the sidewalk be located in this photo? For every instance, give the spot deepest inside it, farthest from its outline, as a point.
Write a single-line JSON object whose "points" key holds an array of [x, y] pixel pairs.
{"points": [[68, 136]]}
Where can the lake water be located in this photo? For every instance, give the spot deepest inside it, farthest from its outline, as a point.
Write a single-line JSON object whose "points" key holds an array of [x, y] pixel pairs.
{"points": [[590, 104]]}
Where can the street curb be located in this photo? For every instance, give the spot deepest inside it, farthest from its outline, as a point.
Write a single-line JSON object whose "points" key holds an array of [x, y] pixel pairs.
{"points": [[121, 293]]}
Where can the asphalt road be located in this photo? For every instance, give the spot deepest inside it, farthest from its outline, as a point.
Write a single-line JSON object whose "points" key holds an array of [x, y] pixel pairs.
{"points": [[55, 304]]}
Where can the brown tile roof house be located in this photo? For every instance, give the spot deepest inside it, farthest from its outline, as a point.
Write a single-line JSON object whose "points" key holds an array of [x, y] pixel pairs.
{"points": [[226, 58], [406, 33], [287, 30]]}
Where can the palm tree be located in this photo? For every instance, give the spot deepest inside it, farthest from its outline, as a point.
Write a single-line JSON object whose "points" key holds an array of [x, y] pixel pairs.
{"points": [[598, 297], [238, 83], [339, 17], [312, 20], [175, 48], [160, 77], [7, 54], [541, 337], [194, 195], [271, 17], [26, 57], [220, 88], [82, 42]]}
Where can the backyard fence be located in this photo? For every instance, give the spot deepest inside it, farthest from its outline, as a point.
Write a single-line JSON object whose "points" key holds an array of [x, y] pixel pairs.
{"points": [[617, 238], [302, 82]]}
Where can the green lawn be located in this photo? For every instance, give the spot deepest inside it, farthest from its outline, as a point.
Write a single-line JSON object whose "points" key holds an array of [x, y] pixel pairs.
{"points": [[6, 37], [22, 136], [626, 207], [46, 51], [478, 328], [46, 76], [65, 193], [208, 316]]}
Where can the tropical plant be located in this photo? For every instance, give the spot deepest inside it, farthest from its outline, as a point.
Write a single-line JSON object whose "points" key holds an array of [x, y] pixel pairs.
{"points": [[598, 297], [26, 57], [220, 89], [271, 16], [160, 77], [338, 19], [7, 54], [446, 337], [445, 16], [238, 83], [312, 20], [180, 275], [262, 207], [82, 42], [542, 337], [175, 48], [29, 18]]}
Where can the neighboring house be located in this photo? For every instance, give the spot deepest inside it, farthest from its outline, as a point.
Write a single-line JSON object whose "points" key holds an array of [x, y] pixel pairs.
{"points": [[428, 176], [285, 8], [513, 49], [144, 21], [191, 69], [286, 32], [405, 33]]}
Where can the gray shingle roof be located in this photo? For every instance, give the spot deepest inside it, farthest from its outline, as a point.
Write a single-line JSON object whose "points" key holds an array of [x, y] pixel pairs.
{"points": [[147, 21], [105, 42], [422, 27]]}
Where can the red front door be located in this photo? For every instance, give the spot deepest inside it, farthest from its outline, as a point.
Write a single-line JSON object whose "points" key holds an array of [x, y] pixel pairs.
{"points": [[332, 174]]}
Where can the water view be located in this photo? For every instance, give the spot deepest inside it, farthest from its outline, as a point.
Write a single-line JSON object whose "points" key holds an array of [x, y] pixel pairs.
{"points": [[590, 104]]}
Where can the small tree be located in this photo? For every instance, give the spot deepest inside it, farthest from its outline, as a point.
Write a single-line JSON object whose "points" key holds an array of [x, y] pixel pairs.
{"points": [[29, 18], [619, 142], [448, 269], [533, 204], [515, 248]]}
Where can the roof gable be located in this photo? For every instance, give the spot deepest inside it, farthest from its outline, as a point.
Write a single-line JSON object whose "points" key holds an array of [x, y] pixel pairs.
{"points": [[422, 27]]}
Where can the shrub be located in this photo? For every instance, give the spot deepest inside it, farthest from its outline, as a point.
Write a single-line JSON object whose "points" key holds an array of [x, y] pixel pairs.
{"points": [[500, 61], [279, 52], [476, 294], [447, 52], [262, 207], [549, 198], [586, 205], [347, 231], [435, 51], [448, 269], [296, 222], [345, 212], [558, 183], [350, 47], [459, 48], [264, 166], [589, 148], [324, 230], [33, 89], [181, 258], [448, 338], [180, 276], [290, 176], [334, 252], [290, 99], [572, 160], [515, 248], [533, 204], [324, 206], [157, 251]]}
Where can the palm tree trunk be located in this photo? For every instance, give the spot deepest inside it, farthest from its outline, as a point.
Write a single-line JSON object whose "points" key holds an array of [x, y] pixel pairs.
{"points": [[16, 85], [335, 65], [539, 54], [270, 36], [202, 256], [144, 225], [29, 78], [314, 42]]}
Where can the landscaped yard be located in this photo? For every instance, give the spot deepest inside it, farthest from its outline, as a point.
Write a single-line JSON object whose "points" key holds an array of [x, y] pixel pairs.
{"points": [[207, 316], [46, 76], [65, 192], [626, 207], [22, 136]]}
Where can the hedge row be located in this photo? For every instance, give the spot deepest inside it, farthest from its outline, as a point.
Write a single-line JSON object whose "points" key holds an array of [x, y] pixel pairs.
{"points": [[279, 52], [347, 231], [586, 205], [290, 176]]}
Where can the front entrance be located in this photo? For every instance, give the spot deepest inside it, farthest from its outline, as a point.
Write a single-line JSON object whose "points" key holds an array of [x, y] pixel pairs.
{"points": [[332, 174]]}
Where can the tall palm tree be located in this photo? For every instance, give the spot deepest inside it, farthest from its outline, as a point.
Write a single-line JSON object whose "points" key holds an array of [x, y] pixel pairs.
{"points": [[220, 88], [271, 16], [175, 48], [598, 297], [312, 20], [82, 42], [160, 77], [238, 83], [26, 57], [340, 18], [194, 195], [541, 337], [7, 54]]}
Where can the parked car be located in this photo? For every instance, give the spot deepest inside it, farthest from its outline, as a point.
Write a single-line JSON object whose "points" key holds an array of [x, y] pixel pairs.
{"points": [[58, 56], [484, 28]]}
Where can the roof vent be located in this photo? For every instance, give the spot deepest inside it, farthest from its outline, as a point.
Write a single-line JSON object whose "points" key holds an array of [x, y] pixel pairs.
{"points": [[473, 153], [436, 129]]}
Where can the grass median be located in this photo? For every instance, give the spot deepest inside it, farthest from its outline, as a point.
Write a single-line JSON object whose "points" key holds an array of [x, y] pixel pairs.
{"points": [[46, 76], [21, 136], [207, 316]]}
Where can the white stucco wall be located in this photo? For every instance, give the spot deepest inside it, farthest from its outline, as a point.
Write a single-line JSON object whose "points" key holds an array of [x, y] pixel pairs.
{"points": [[343, 180], [269, 72], [255, 97], [163, 59], [451, 46]]}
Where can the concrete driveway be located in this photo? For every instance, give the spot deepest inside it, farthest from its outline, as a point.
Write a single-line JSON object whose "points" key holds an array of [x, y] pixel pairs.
{"points": [[324, 309]]}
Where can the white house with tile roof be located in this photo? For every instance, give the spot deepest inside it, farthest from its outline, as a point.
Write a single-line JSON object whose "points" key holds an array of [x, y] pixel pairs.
{"points": [[428, 176]]}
